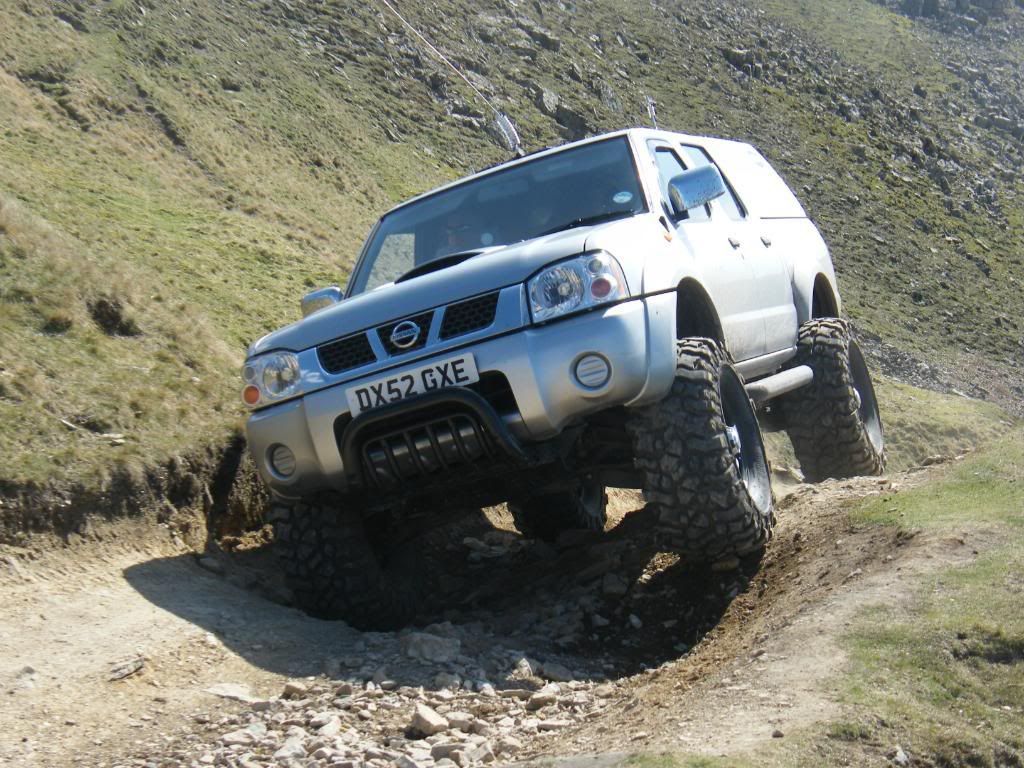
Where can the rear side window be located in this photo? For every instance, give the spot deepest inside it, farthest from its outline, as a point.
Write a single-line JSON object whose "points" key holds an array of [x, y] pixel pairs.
{"points": [[669, 166], [697, 157]]}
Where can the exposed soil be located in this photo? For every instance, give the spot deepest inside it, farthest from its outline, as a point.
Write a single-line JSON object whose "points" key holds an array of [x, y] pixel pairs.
{"points": [[110, 645]]}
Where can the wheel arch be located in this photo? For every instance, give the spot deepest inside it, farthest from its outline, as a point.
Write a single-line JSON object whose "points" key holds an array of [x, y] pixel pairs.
{"points": [[695, 312], [824, 302], [816, 296]]}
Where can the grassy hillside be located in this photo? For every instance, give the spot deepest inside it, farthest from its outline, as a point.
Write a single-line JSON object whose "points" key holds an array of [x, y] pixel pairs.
{"points": [[173, 176]]}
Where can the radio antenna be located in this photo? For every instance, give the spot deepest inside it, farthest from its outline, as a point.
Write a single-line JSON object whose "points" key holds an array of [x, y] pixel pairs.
{"points": [[652, 107], [502, 121]]}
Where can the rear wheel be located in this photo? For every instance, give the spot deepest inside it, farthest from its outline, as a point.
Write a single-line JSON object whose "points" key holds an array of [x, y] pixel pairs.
{"points": [[546, 516], [332, 568], [833, 422], [703, 459]]}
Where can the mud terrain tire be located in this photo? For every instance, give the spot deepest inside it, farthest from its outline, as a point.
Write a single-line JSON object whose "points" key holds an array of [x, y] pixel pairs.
{"points": [[833, 422], [548, 515], [703, 459], [332, 569]]}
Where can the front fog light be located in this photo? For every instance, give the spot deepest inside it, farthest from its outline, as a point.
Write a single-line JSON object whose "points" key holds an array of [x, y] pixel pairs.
{"points": [[282, 460], [593, 371]]}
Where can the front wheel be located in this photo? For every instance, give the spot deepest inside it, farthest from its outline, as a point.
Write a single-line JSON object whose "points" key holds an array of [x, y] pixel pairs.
{"points": [[332, 568], [833, 422], [703, 460]]}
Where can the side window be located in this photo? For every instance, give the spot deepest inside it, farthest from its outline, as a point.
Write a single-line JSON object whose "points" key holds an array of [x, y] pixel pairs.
{"points": [[670, 166], [697, 157]]}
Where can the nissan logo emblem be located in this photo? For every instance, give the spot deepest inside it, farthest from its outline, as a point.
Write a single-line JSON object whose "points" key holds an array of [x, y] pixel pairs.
{"points": [[405, 334]]}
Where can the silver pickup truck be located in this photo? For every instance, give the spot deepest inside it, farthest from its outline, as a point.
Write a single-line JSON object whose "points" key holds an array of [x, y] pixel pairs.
{"points": [[628, 311]]}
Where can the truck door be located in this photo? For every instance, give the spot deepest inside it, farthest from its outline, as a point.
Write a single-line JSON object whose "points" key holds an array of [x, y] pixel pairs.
{"points": [[773, 295], [703, 238]]}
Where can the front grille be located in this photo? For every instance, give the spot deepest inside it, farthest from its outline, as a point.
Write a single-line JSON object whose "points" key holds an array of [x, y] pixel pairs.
{"points": [[346, 354], [468, 316], [422, 450], [423, 321]]}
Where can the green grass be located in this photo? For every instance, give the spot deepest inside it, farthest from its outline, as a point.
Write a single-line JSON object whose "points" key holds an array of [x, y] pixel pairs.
{"points": [[920, 424], [986, 488], [947, 672], [206, 165]]}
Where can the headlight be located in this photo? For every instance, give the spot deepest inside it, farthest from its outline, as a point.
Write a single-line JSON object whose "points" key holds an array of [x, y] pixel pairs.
{"points": [[574, 285], [270, 378]]}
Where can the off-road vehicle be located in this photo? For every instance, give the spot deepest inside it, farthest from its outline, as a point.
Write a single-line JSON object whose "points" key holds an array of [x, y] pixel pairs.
{"points": [[613, 312]]}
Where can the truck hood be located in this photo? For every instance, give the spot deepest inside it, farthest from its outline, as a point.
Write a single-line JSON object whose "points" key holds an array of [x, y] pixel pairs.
{"points": [[486, 272]]}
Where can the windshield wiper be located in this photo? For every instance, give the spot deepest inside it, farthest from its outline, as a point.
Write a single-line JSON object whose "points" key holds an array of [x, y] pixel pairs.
{"points": [[442, 263], [587, 221]]}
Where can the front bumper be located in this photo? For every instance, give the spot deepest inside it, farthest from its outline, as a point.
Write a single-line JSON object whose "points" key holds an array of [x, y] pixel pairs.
{"points": [[538, 363]]}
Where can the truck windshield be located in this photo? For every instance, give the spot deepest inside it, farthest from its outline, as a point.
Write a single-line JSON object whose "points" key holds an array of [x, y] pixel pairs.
{"points": [[578, 187]]}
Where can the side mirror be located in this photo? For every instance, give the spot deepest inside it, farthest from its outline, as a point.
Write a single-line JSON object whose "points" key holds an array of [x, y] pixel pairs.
{"points": [[694, 188], [316, 300]]}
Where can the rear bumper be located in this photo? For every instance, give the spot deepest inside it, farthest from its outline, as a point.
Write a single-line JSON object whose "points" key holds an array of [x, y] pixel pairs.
{"points": [[538, 364]]}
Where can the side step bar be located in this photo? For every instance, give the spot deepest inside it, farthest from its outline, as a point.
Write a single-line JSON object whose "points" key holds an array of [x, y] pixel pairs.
{"points": [[763, 390]]}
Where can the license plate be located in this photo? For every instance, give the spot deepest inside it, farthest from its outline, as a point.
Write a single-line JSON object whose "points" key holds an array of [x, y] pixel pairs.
{"points": [[454, 372]]}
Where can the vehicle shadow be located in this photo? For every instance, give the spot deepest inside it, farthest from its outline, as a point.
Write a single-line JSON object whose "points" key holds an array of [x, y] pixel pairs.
{"points": [[604, 605]]}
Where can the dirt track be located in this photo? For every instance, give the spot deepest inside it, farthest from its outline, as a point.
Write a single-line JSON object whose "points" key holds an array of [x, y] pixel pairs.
{"points": [[706, 663]]}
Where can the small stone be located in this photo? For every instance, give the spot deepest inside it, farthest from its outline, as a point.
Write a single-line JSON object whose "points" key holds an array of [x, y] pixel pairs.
{"points": [[126, 668], [516, 693], [481, 753], [293, 689], [597, 621], [542, 698], [899, 757], [635, 621], [461, 720], [211, 564], [525, 667], [508, 745], [330, 729], [777, 734], [428, 647], [404, 761], [447, 680], [233, 691], [245, 736], [427, 722], [444, 749], [556, 672], [614, 585], [320, 720], [483, 728], [553, 725], [604, 691], [292, 748]]}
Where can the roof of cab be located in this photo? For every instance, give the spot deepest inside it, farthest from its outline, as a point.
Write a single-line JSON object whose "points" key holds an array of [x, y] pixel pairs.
{"points": [[531, 156], [768, 195]]}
